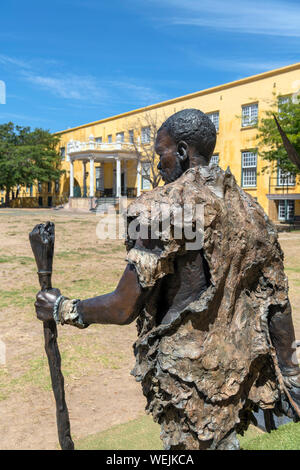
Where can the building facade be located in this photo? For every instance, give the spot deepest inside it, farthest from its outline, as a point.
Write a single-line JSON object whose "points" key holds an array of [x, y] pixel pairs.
{"points": [[100, 158]]}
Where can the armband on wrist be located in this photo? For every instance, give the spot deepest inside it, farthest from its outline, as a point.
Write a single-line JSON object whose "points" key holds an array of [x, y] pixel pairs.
{"points": [[69, 314], [56, 308]]}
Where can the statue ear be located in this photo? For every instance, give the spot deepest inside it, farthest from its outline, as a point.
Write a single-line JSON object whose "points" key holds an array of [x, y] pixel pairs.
{"points": [[182, 150]]}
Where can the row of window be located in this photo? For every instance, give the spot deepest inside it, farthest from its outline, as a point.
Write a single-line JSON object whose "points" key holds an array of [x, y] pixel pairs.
{"points": [[49, 188], [249, 171], [120, 137], [249, 113], [249, 116]]}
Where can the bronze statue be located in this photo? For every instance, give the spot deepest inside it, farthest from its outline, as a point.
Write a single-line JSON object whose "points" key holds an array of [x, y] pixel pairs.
{"points": [[215, 333]]}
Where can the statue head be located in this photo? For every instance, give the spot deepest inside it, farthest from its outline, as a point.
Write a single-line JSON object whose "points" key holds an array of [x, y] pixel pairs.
{"points": [[184, 140]]}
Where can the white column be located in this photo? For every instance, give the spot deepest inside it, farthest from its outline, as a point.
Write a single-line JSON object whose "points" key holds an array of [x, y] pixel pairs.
{"points": [[71, 178], [125, 177], [92, 192], [139, 178], [118, 175], [114, 178], [84, 178]]}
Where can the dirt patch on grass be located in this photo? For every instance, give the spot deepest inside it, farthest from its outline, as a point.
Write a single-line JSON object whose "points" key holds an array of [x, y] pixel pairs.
{"points": [[100, 391]]}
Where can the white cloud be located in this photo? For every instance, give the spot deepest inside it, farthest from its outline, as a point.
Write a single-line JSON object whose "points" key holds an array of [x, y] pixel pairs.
{"points": [[270, 17], [139, 92], [7, 60], [77, 88], [73, 87]]}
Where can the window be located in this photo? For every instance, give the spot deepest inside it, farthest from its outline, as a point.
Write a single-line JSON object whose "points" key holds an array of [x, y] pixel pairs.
{"points": [[39, 187], [283, 100], [56, 186], [62, 152], [49, 187], [98, 140], [214, 159], [109, 139], [214, 117], [29, 188], [249, 115], [146, 135], [249, 164], [99, 178], [286, 210], [131, 136], [120, 137], [285, 178], [145, 175]]}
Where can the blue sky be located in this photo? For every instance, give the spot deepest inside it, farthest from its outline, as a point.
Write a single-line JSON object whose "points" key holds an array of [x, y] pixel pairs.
{"points": [[68, 62]]}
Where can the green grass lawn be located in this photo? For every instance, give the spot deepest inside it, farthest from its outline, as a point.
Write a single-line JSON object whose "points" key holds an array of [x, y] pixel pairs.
{"points": [[286, 437], [143, 434], [139, 434]]}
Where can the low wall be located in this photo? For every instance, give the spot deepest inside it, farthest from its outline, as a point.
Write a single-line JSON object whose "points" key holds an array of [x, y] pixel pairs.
{"points": [[37, 201], [82, 203]]}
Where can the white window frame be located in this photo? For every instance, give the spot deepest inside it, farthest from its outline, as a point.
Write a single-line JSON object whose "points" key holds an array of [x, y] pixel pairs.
{"points": [[214, 160], [286, 211], [249, 169], [214, 117], [146, 135], [120, 137], [131, 136], [249, 115], [146, 184], [283, 100], [285, 178]]}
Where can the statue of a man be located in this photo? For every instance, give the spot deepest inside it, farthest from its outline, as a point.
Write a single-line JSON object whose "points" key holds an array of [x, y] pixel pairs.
{"points": [[215, 333]]}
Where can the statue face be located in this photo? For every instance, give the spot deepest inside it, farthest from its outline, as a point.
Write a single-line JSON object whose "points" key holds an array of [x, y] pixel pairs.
{"points": [[169, 161]]}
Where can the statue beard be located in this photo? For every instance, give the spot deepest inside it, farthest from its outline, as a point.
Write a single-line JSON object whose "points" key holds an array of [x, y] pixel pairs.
{"points": [[176, 173]]}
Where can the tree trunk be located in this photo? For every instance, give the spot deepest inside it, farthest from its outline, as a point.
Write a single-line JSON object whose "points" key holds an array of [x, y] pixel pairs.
{"points": [[7, 197]]}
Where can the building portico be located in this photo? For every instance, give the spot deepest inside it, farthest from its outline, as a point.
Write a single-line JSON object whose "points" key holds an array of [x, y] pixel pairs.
{"points": [[97, 160]]}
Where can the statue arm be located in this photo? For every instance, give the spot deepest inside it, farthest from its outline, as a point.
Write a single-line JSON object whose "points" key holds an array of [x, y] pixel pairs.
{"points": [[120, 307]]}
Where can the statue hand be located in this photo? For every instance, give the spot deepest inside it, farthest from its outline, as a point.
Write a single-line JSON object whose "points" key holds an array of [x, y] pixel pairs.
{"points": [[44, 304]]}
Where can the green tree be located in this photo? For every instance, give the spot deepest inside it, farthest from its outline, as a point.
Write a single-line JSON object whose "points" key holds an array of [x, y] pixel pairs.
{"points": [[27, 156], [271, 147]]}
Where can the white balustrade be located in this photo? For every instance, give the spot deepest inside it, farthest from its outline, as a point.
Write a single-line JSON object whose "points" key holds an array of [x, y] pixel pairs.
{"points": [[76, 146]]}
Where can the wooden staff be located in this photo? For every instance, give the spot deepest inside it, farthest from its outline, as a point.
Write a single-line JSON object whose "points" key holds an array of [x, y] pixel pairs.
{"points": [[42, 244]]}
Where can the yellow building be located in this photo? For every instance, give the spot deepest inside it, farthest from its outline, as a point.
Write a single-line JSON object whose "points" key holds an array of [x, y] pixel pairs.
{"points": [[100, 159]]}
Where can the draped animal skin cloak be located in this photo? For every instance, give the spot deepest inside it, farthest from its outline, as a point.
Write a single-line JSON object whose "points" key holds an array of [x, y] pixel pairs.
{"points": [[206, 370]]}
